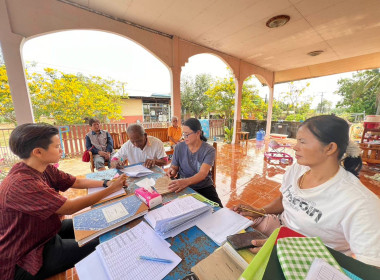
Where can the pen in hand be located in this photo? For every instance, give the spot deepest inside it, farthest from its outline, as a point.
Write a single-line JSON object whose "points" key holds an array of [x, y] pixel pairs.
{"points": [[154, 259]]}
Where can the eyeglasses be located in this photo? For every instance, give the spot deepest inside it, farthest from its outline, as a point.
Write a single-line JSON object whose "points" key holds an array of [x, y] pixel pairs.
{"points": [[187, 135]]}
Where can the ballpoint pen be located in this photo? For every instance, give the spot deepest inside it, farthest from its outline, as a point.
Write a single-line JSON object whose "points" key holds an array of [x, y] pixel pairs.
{"points": [[154, 259]]}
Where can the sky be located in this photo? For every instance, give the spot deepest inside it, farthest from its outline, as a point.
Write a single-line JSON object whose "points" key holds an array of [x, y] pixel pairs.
{"points": [[112, 56]]}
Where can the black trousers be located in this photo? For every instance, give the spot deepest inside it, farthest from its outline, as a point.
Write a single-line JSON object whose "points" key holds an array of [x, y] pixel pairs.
{"points": [[60, 253], [211, 194]]}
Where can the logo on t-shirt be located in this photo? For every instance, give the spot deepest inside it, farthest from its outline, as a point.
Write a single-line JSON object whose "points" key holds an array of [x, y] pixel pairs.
{"points": [[299, 203]]}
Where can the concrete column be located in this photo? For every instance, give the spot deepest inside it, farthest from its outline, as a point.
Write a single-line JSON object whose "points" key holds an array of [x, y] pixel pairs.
{"points": [[176, 92], [11, 47], [269, 114], [237, 109], [176, 81]]}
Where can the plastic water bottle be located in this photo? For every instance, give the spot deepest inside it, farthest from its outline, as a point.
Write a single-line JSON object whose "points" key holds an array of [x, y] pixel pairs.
{"points": [[260, 135]]}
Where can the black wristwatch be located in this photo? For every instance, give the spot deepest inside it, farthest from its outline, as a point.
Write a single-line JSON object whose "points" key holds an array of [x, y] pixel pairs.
{"points": [[105, 183]]}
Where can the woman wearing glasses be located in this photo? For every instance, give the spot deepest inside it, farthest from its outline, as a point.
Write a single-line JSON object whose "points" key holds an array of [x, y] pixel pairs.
{"points": [[192, 161]]}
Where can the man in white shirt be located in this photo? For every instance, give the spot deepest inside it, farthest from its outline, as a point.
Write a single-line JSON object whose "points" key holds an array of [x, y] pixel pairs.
{"points": [[140, 148]]}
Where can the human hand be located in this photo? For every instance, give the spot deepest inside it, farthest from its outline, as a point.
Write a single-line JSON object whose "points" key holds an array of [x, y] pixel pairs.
{"points": [[259, 243], [106, 155], [101, 153], [171, 172], [118, 183], [149, 163], [178, 185], [246, 210], [117, 164]]}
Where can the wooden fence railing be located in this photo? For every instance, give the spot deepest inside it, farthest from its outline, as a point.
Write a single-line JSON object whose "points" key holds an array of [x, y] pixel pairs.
{"points": [[73, 137], [73, 141]]}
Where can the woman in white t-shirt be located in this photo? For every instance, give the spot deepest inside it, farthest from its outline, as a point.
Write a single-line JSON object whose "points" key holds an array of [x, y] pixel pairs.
{"points": [[320, 197]]}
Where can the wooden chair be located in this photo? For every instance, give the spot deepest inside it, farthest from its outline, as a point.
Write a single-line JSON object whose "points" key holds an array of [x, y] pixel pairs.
{"points": [[116, 145], [213, 169], [124, 137], [116, 140], [370, 153], [241, 136]]}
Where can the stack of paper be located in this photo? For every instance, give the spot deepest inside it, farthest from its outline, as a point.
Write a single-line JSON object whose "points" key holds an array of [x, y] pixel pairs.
{"points": [[177, 216], [223, 223], [136, 171], [118, 258]]}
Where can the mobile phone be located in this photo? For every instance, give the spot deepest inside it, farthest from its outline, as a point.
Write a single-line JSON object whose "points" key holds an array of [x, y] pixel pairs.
{"points": [[243, 240]]}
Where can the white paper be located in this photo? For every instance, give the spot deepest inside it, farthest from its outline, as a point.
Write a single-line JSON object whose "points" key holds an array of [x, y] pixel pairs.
{"points": [[115, 194], [120, 255], [114, 212], [223, 223], [177, 230], [91, 267], [322, 270], [176, 212], [136, 171], [146, 183]]}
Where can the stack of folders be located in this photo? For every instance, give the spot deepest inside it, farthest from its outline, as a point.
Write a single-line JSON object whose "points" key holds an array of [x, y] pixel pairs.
{"points": [[97, 221], [177, 216], [121, 257]]}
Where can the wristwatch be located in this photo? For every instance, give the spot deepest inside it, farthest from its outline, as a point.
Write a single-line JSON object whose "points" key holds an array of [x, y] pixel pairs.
{"points": [[105, 183]]}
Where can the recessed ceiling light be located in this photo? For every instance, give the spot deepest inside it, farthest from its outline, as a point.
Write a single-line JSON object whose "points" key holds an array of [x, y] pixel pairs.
{"points": [[277, 21], [315, 53]]}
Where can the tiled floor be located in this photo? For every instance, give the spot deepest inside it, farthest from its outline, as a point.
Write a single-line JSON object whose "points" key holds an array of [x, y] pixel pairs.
{"points": [[242, 176]]}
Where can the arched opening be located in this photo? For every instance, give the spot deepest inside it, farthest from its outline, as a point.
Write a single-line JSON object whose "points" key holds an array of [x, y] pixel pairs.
{"points": [[94, 65]]}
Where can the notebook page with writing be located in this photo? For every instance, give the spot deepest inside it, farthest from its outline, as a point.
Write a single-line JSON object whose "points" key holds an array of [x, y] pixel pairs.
{"points": [[223, 223]]}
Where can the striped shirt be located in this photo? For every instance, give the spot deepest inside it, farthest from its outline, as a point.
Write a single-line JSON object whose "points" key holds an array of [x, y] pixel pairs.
{"points": [[28, 202]]}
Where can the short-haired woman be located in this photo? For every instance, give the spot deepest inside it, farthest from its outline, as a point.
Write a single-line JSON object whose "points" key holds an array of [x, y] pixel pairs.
{"points": [[34, 243], [320, 197], [192, 161]]}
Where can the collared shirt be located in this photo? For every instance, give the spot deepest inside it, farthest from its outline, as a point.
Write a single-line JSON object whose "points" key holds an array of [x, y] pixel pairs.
{"points": [[101, 141], [154, 149], [28, 202], [175, 133]]}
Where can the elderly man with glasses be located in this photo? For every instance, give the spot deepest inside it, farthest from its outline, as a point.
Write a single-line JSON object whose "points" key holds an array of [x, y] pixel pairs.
{"points": [[140, 148]]}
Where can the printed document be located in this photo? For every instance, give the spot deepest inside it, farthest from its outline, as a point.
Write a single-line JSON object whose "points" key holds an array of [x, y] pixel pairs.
{"points": [[136, 171], [223, 223], [119, 257]]}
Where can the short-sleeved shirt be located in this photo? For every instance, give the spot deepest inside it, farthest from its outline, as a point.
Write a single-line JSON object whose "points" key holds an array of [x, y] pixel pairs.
{"points": [[154, 149], [189, 164], [341, 211], [28, 202], [175, 133]]}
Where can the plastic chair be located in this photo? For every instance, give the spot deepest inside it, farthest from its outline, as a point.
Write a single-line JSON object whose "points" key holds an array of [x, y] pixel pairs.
{"points": [[278, 153]]}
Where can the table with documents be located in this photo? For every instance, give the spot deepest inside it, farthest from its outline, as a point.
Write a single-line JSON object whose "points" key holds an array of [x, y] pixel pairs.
{"points": [[191, 246]]}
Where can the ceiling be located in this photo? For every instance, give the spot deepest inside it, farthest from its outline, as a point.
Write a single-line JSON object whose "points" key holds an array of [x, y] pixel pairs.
{"points": [[341, 28]]}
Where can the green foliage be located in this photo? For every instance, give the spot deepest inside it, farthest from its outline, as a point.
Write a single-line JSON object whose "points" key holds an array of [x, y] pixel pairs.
{"points": [[361, 93], [193, 97], [293, 104], [66, 98], [7, 112], [228, 134], [222, 100]]}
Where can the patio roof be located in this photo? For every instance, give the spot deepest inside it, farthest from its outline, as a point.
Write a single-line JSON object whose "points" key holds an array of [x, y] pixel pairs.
{"points": [[347, 31]]}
